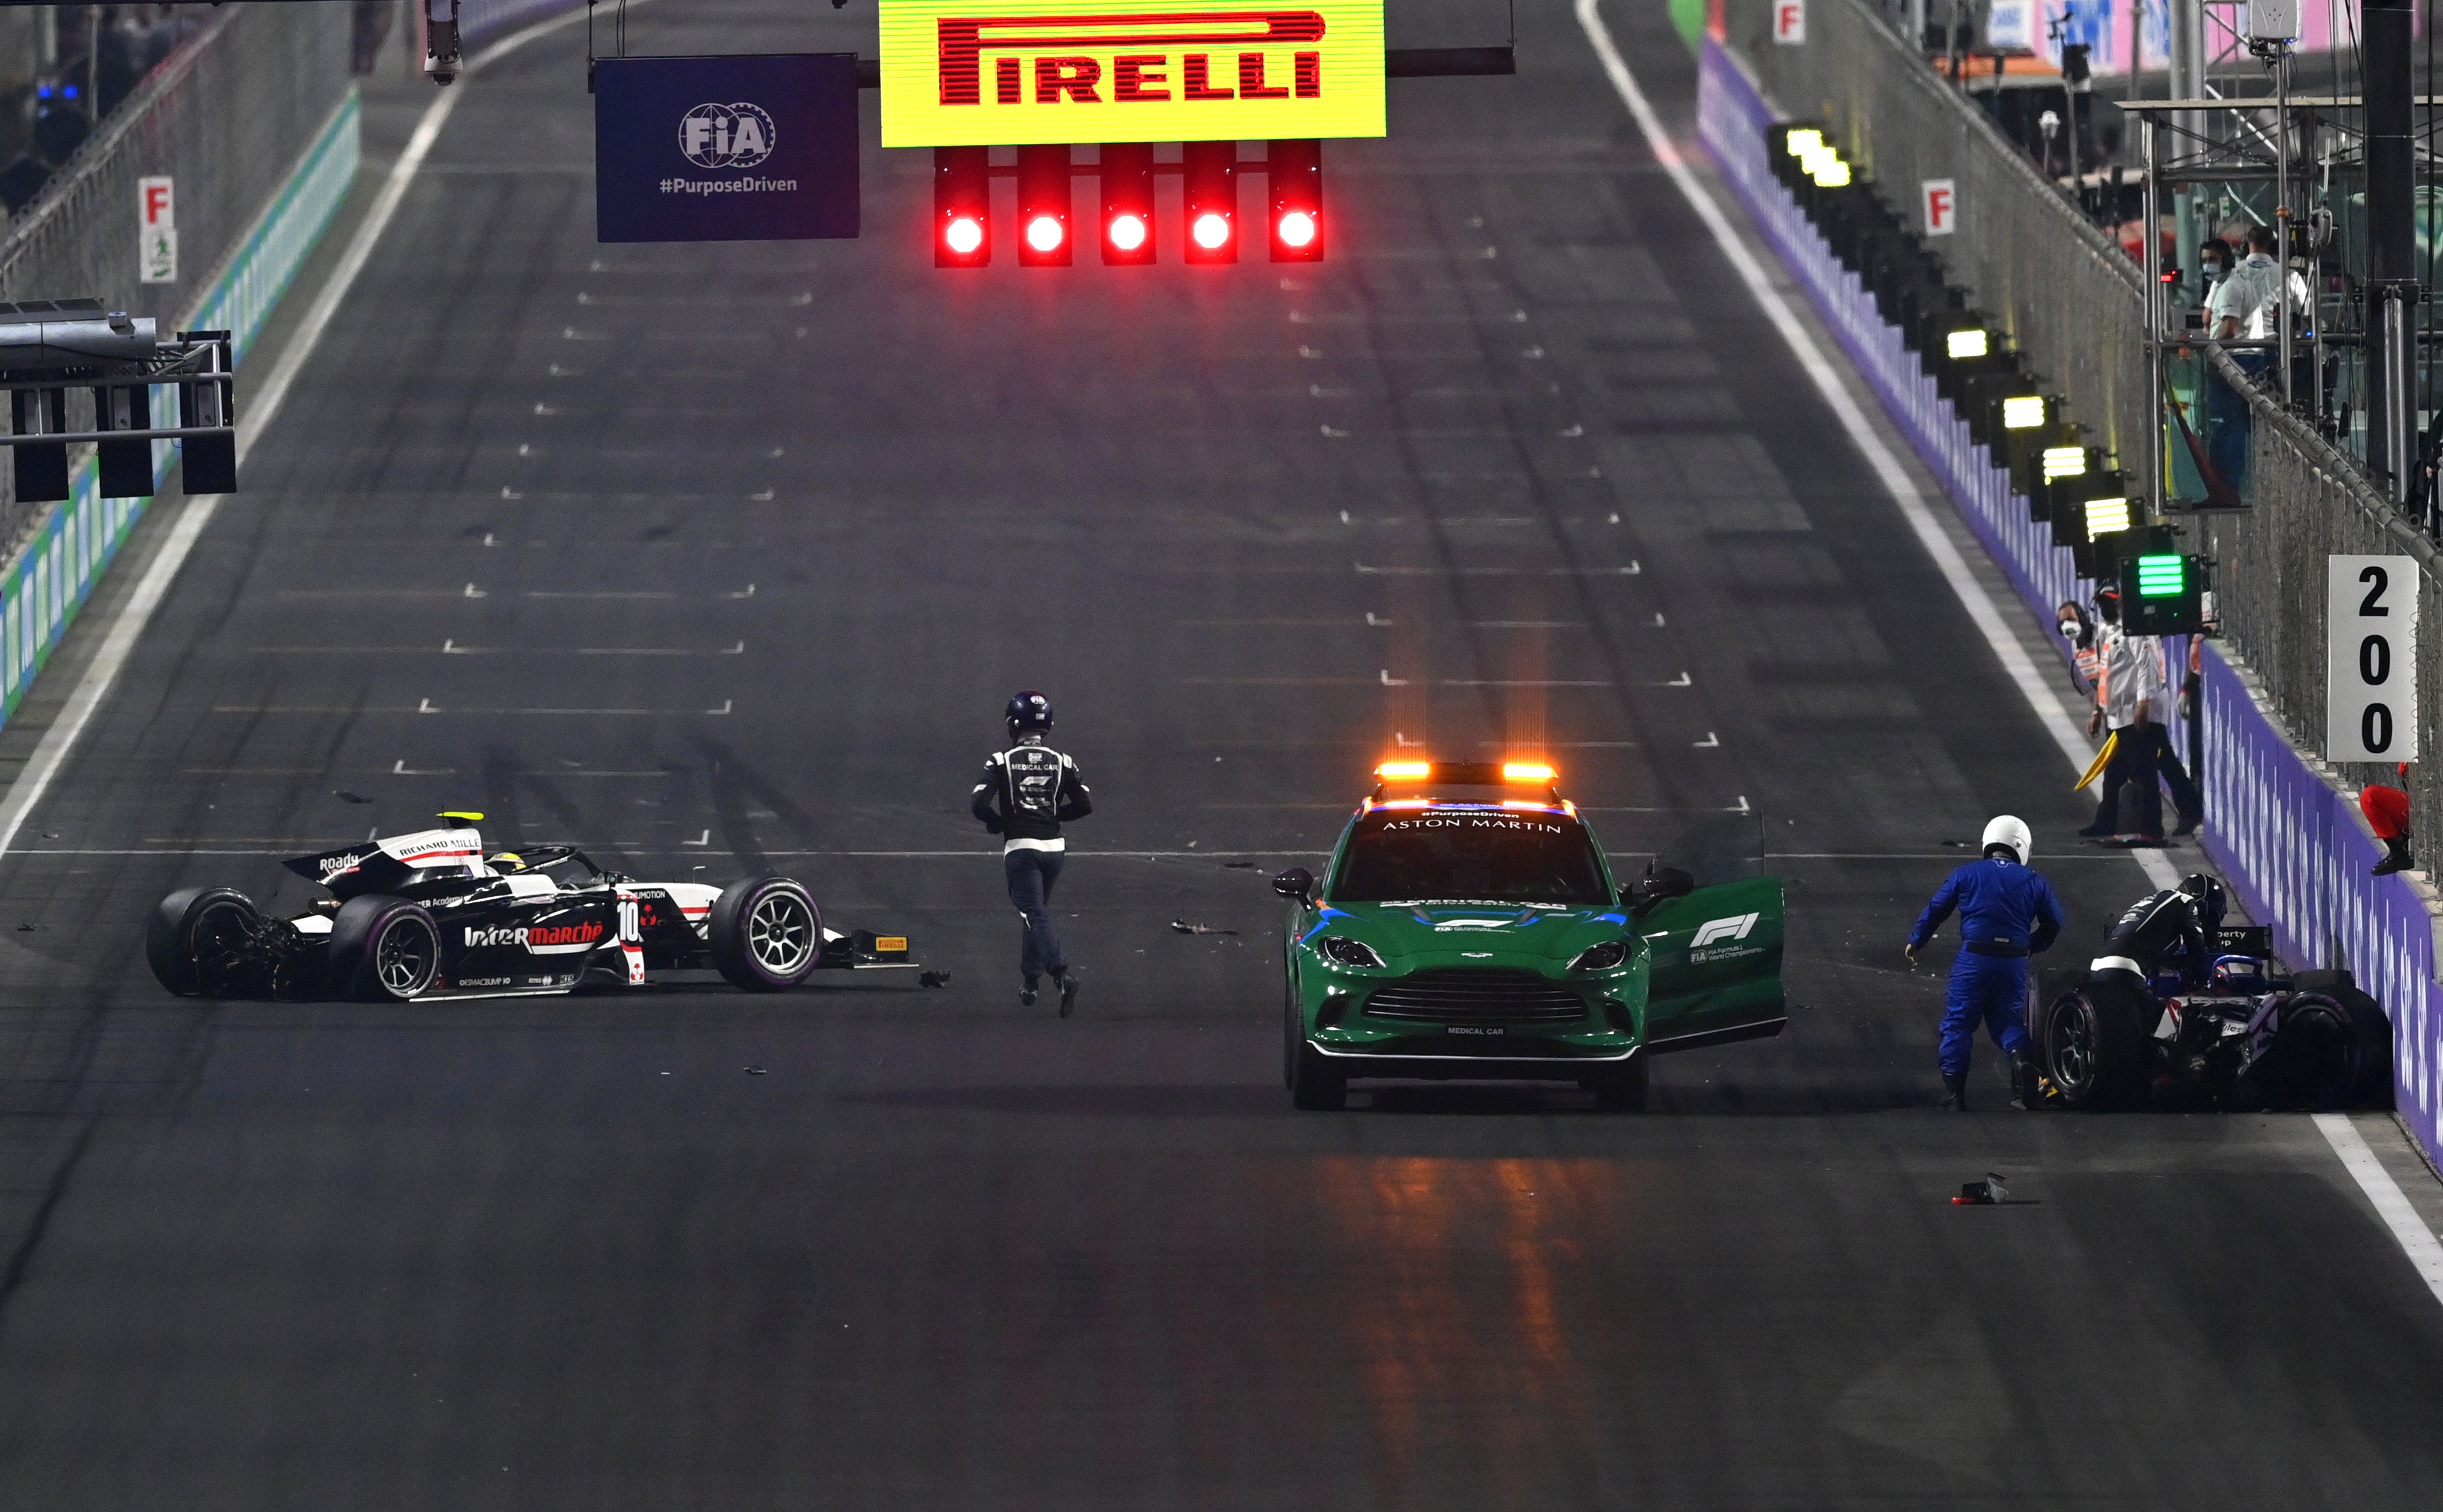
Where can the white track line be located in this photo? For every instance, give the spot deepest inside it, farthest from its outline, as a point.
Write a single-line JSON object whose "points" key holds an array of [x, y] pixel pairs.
{"points": [[127, 627], [2416, 1241], [2066, 733]]}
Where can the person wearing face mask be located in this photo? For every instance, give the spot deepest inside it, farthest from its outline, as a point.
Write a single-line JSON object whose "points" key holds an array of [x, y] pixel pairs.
{"points": [[2085, 655], [2231, 305], [2213, 260]]}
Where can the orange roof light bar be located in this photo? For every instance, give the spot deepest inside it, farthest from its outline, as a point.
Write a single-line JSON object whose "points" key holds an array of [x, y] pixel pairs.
{"points": [[1404, 770], [1527, 771]]}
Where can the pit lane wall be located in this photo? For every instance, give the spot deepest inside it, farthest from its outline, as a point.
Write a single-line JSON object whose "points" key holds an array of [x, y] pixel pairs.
{"points": [[2284, 830], [84, 231]]}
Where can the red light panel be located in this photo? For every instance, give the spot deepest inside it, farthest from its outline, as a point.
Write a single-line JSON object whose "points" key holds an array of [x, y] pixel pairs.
{"points": [[1209, 171], [1043, 205], [962, 207], [1294, 186], [1127, 218]]}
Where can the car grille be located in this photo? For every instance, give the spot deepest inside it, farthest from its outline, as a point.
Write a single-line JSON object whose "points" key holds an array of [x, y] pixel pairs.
{"points": [[1469, 995]]}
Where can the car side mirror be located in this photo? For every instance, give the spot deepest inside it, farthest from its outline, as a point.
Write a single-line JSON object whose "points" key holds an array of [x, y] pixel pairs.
{"points": [[1668, 882], [1295, 882]]}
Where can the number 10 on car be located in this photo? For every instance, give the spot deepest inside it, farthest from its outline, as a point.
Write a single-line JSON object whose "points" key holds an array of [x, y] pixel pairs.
{"points": [[2371, 659]]}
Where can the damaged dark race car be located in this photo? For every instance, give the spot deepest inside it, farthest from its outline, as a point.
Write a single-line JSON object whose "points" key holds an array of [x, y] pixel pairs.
{"points": [[2182, 1009], [430, 916]]}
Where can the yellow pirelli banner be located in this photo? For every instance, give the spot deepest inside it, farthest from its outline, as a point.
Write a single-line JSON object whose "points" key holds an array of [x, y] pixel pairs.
{"points": [[980, 73]]}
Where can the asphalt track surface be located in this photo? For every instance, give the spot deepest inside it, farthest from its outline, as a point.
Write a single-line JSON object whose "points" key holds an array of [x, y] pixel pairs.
{"points": [[1498, 474]]}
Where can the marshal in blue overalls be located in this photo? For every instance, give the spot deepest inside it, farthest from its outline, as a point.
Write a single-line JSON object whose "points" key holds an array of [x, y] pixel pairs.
{"points": [[2006, 913]]}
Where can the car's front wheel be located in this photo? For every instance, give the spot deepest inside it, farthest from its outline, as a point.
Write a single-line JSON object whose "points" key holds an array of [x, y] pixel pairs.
{"points": [[383, 950], [198, 940], [766, 934], [1623, 1088], [1316, 1085], [2093, 1037]]}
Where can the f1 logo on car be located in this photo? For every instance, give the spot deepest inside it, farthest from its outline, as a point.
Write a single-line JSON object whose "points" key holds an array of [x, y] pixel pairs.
{"points": [[1736, 927]]}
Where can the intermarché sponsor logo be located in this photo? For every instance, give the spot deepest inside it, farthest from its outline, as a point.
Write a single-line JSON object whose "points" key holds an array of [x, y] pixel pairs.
{"points": [[730, 186], [534, 936]]}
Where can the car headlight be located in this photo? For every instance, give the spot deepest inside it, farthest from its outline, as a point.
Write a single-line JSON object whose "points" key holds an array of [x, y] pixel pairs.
{"points": [[1602, 957], [1345, 951]]}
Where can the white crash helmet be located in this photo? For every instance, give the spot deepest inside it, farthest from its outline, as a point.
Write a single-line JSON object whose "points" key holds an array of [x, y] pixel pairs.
{"points": [[2008, 830]]}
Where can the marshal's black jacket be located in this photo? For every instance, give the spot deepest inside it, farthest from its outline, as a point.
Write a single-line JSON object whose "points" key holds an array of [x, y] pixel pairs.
{"points": [[1025, 794]]}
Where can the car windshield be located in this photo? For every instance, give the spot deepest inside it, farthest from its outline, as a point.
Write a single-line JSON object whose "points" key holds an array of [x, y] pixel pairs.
{"points": [[1468, 855]]}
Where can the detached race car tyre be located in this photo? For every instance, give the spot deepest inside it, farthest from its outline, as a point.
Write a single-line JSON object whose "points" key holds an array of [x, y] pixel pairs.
{"points": [[197, 939], [766, 934], [383, 950], [2093, 1040], [1316, 1085], [1623, 1088]]}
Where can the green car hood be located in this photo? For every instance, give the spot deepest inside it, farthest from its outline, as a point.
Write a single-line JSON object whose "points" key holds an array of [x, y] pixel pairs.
{"points": [[1412, 935]]}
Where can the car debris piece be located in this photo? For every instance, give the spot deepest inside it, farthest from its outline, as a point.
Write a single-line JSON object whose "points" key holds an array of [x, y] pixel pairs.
{"points": [[1185, 928], [1984, 1193]]}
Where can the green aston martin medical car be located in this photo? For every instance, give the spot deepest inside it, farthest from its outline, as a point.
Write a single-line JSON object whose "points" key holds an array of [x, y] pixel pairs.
{"points": [[1469, 927]]}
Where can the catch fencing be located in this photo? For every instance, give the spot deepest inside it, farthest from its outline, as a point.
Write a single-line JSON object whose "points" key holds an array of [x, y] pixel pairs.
{"points": [[255, 122], [2281, 825]]}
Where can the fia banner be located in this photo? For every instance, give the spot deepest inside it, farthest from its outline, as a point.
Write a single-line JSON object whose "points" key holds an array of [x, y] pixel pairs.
{"points": [[968, 73], [2371, 659], [740, 149]]}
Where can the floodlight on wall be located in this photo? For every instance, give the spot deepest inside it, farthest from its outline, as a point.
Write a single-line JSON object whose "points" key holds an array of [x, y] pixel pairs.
{"points": [[2105, 516]]}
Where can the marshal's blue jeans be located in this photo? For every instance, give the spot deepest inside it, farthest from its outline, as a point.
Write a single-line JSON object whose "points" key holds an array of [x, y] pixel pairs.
{"points": [[1030, 874]]}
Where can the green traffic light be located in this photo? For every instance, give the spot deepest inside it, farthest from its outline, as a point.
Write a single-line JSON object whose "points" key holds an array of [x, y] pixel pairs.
{"points": [[2162, 576]]}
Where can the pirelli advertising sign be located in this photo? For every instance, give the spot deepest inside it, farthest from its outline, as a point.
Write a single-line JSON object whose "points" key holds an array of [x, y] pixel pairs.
{"points": [[984, 73]]}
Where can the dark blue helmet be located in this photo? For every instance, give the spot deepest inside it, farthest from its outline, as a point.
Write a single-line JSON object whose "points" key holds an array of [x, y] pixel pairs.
{"points": [[1028, 711]]}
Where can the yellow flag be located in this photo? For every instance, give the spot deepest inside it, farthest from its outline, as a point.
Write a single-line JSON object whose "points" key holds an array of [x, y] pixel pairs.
{"points": [[2103, 760]]}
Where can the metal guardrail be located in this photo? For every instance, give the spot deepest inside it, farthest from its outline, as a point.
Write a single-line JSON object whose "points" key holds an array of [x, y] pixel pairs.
{"points": [[226, 117]]}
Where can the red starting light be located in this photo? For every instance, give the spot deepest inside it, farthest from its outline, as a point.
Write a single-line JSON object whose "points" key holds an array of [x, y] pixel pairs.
{"points": [[1294, 178], [1126, 174], [1209, 172], [1043, 204], [962, 207]]}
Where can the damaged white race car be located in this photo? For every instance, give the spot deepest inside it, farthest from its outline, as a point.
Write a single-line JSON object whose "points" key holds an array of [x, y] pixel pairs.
{"points": [[429, 915]]}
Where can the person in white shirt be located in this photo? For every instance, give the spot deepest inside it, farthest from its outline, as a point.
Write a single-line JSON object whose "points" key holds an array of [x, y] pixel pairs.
{"points": [[2231, 304], [2265, 281], [2127, 697]]}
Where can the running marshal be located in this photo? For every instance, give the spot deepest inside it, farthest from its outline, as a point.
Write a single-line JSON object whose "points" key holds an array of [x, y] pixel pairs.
{"points": [[982, 73]]}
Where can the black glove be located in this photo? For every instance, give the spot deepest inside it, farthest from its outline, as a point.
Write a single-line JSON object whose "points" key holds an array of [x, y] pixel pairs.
{"points": [[992, 827]]}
